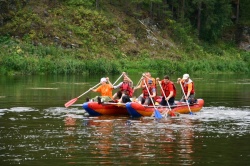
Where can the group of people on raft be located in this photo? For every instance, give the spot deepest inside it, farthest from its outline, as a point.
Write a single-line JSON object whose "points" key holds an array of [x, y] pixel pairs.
{"points": [[148, 85]]}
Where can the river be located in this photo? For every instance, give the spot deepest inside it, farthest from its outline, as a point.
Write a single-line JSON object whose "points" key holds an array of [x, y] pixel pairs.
{"points": [[36, 128]]}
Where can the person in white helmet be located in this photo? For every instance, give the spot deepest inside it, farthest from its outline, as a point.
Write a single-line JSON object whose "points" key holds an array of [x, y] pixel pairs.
{"points": [[188, 88], [105, 89]]}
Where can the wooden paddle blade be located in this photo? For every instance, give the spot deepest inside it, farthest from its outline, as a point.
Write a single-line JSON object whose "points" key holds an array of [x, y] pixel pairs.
{"points": [[158, 114], [69, 103]]}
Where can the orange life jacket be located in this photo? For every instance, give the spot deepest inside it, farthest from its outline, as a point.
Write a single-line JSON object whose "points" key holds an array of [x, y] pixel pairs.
{"points": [[185, 88], [125, 86]]}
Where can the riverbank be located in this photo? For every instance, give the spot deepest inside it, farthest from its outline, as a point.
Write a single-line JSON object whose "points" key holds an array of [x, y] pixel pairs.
{"points": [[23, 58], [64, 39]]}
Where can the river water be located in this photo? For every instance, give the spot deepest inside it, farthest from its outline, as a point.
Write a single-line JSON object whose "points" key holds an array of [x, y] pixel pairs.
{"points": [[36, 128]]}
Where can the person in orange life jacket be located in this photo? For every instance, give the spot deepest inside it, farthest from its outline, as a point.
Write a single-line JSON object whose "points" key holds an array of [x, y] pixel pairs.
{"points": [[125, 91], [105, 89], [188, 87], [169, 90], [145, 97], [145, 77]]}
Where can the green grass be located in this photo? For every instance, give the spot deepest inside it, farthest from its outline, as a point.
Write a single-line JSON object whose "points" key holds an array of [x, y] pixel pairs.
{"points": [[77, 40]]}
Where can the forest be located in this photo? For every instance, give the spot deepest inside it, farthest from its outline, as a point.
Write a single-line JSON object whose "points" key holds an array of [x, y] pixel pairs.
{"points": [[111, 36]]}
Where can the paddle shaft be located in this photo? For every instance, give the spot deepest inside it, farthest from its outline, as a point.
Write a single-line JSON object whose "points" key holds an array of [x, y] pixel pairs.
{"points": [[123, 74], [72, 101], [117, 79], [149, 94], [185, 97], [139, 82], [142, 78], [164, 95], [156, 112], [88, 90]]}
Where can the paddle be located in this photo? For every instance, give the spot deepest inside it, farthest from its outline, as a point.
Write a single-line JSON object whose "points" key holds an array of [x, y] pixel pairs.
{"points": [[186, 100], [139, 81], [157, 113], [165, 98], [72, 101], [118, 79]]}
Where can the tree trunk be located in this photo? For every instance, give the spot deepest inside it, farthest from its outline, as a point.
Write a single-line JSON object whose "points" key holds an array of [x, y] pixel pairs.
{"points": [[151, 10], [199, 18], [237, 12], [183, 10], [97, 4]]}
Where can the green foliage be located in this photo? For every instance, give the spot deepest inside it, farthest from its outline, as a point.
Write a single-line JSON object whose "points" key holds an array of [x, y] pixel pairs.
{"points": [[216, 15], [213, 50], [5, 40], [184, 36], [86, 3], [110, 43], [244, 12], [245, 56], [22, 24]]}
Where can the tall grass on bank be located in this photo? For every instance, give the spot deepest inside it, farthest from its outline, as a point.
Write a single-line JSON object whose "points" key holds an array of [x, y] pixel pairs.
{"points": [[15, 64], [30, 64], [23, 58]]}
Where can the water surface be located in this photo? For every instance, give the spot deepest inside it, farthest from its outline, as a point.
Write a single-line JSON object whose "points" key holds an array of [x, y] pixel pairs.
{"points": [[35, 128]]}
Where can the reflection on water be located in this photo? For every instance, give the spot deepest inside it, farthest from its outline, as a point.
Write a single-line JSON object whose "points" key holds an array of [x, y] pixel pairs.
{"points": [[35, 128], [57, 135]]}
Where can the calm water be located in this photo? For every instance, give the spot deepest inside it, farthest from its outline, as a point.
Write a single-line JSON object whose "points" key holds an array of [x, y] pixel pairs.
{"points": [[35, 128]]}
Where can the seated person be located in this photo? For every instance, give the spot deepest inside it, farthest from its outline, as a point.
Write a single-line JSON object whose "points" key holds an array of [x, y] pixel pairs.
{"points": [[125, 91], [148, 92], [168, 90]]}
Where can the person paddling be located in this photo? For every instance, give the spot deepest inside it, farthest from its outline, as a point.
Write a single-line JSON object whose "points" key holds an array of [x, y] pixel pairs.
{"points": [[169, 91], [147, 94], [188, 88], [126, 91], [145, 77], [105, 89]]}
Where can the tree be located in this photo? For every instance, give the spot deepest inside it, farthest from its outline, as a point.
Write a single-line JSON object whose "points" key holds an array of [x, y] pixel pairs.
{"points": [[9, 8], [244, 14]]}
